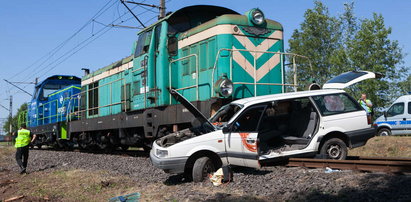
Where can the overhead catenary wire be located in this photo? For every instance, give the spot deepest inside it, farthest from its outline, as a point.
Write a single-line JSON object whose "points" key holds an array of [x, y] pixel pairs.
{"points": [[83, 44], [55, 50], [56, 62], [52, 52]]}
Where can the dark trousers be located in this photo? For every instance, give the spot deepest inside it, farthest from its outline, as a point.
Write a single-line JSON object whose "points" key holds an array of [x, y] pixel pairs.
{"points": [[22, 156]]}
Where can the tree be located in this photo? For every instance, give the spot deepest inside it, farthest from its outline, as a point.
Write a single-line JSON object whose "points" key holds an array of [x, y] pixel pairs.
{"points": [[405, 86], [318, 40], [340, 44], [15, 120], [372, 50]]}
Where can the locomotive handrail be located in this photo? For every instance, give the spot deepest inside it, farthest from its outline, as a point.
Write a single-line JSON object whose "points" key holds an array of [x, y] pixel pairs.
{"points": [[75, 96], [255, 70], [197, 76], [48, 104]]}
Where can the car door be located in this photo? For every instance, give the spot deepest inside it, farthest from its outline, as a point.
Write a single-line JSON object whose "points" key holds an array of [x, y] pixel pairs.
{"points": [[395, 117], [241, 141], [349, 78]]}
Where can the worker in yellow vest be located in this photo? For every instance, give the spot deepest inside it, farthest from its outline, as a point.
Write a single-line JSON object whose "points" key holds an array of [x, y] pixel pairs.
{"points": [[22, 145], [367, 105]]}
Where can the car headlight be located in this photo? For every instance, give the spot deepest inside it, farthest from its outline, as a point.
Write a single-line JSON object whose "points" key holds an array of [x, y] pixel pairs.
{"points": [[256, 16], [224, 87], [161, 153]]}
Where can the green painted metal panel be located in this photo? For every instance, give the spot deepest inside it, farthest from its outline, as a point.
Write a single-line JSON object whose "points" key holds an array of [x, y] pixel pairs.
{"points": [[63, 131], [147, 81]]}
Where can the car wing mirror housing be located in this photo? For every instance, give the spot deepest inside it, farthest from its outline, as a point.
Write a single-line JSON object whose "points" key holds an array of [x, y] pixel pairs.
{"points": [[385, 115], [226, 129]]}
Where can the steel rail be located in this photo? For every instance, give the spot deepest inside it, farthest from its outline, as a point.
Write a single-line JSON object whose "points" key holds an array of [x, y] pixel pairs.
{"points": [[393, 165]]}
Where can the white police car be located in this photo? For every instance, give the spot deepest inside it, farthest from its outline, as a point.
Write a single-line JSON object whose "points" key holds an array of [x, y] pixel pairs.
{"points": [[253, 131]]}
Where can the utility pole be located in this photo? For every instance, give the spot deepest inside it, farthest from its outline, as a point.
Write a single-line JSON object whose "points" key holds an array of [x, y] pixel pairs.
{"points": [[162, 9], [10, 114]]}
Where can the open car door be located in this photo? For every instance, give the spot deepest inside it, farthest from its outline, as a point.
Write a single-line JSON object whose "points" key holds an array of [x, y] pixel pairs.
{"points": [[349, 78]]}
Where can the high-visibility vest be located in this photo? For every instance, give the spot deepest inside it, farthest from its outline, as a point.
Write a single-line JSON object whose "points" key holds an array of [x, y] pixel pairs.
{"points": [[364, 105], [23, 138]]}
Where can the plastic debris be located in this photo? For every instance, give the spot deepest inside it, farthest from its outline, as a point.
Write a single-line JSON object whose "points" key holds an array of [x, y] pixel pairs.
{"points": [[217, 177], [330, 170], [129, 197]]}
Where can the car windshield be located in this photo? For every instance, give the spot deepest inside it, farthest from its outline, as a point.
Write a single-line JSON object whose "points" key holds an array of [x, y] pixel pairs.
{"points": [[224, 114]]}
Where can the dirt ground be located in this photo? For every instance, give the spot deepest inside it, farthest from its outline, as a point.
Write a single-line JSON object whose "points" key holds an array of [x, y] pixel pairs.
{"points": [[52, 178]]}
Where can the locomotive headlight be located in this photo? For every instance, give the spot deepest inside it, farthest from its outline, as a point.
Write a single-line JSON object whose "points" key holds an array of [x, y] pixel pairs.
{"points": [[224, 87], [256, 16]]}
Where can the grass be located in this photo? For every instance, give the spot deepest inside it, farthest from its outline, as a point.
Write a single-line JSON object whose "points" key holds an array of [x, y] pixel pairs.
{"points": [[385, 146], [5, 143], [73, 185]]}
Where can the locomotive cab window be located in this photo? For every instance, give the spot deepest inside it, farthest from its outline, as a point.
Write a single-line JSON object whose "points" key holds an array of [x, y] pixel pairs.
{"points": [[93, 99], [143, 43]]}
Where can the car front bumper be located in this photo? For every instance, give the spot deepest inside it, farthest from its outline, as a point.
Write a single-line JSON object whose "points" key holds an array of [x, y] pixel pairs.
{"points": [[359, 138], [169, 165]]}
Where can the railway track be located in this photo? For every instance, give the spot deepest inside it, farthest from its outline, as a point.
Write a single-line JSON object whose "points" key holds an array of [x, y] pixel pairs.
{"points": [[360, 163], [379, 164]]}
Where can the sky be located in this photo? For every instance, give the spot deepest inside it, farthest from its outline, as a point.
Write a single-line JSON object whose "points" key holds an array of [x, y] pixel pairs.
{"points": [[44, 38]]}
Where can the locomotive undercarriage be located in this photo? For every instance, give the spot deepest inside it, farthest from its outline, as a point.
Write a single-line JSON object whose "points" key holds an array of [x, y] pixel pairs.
{"points": [[48, 135], [136, 128], [121, 131]]}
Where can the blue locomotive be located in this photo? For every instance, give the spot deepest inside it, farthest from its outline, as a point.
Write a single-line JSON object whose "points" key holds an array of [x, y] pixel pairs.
{"points": [[47, 112]]}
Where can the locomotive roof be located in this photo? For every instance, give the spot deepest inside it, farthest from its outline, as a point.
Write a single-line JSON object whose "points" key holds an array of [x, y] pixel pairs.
{"points": [[191, 11], [108, 67], [56, 77], [220, 15]]}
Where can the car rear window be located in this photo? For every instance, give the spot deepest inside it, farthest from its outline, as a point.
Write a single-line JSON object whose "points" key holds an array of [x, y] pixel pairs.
{"points": [[346, 77], [336, 104]]}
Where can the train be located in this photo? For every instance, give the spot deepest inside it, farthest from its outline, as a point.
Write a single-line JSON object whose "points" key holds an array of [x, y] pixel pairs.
{"points": [[209, 54]]}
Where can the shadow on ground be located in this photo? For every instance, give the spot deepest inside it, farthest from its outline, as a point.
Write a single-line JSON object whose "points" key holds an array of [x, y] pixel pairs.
{"points": [[372, 187]]}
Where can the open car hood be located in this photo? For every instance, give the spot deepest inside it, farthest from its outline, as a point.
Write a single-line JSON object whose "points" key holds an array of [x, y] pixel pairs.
{"points": [[190, 107], [349, 78]]}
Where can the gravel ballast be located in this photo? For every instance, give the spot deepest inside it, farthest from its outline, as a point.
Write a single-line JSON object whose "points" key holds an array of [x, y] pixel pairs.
{"points": [[276, 183]]}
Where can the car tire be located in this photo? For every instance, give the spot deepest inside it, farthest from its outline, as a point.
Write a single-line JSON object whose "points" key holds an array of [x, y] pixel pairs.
{"points": [[334, 148], [384, 132], [202, 167]]}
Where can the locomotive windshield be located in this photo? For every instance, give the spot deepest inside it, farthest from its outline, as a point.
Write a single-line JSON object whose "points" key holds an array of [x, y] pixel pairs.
{"points": [[51, 88]]}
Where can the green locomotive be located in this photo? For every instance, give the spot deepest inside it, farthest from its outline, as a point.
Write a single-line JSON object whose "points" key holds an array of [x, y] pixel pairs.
{"points": [[211, 55]]}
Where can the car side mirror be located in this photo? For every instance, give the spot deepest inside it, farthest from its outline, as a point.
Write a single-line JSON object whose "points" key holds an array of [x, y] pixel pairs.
{"points": [[226, 129], [385, 114]]}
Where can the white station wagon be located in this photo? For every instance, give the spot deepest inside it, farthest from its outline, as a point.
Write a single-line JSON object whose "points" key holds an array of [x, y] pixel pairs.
{"points": [[253, 131]]}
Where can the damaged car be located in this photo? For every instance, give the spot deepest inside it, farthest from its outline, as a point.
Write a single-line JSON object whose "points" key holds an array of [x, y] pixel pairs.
{"points": [[253, 131]]}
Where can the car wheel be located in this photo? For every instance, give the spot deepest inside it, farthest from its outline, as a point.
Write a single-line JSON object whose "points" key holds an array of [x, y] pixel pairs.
{"points": [[334, 148], [202, 167], [384, 132]]}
